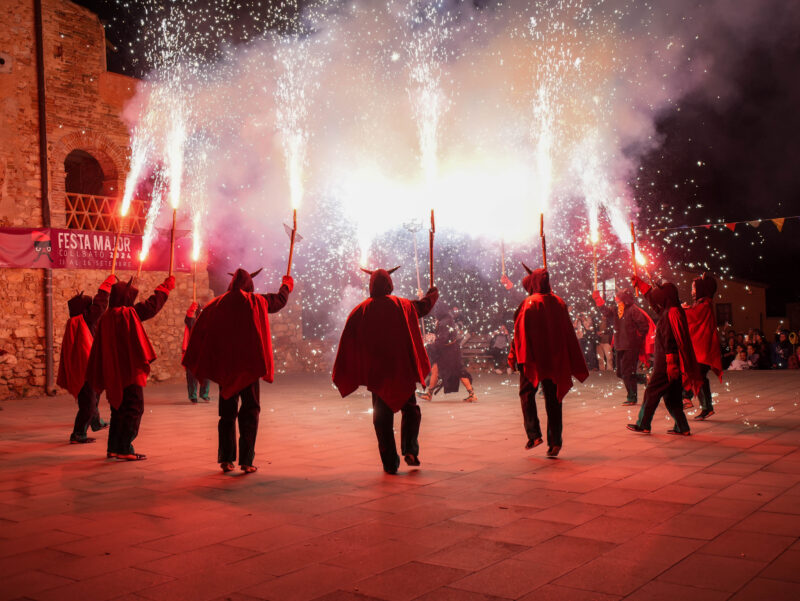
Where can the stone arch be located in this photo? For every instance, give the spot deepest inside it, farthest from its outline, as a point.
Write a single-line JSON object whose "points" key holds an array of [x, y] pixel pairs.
{"points": [[111, 157]]}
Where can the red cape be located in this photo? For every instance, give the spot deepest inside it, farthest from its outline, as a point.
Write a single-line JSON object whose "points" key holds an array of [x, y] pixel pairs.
{"points": [[649, 344], [689, 367], [381, 348], [230, 342], [76, 345], [121, 354], [545, 343], [703, 331]]}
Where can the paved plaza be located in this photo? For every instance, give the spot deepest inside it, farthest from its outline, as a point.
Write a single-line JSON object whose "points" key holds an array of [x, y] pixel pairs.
{"points": [[713, 516]]}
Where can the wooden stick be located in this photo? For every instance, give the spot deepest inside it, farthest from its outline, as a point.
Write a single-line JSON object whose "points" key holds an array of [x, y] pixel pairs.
{"points": [[172, 242], [431, 233], [141, 262], [503, 255], [594, 261], [194, 282], [291, 242], [633, 256], [116, 244], [544, 240]]}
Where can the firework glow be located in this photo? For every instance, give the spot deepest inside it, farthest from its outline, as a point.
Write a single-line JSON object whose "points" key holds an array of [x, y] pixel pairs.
{"points": [[370, 114]]}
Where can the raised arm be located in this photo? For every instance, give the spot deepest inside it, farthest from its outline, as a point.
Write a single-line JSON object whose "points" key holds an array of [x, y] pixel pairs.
{"points": [[149, 308], [424, 305], [100, 302], [278, 300]]}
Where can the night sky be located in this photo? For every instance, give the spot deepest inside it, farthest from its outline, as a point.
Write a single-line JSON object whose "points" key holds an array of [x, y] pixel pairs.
{"points": [[726, 151]]}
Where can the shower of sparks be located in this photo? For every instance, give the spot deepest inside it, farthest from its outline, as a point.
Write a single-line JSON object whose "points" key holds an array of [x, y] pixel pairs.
{"points": [[369, 114]]}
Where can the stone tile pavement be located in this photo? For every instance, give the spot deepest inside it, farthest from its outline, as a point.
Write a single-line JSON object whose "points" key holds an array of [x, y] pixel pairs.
{"points": [[711, 517]]}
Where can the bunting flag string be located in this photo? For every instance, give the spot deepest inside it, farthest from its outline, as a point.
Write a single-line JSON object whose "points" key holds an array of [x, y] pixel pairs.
{"points": [[731, 225]]}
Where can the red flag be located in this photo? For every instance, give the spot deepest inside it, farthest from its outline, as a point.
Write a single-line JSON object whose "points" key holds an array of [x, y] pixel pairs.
{"points": [[731, 226], [506, 282]]}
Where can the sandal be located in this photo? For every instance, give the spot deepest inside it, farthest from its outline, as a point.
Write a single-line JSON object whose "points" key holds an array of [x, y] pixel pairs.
{"points": [[472, 398], [226, 466], [248, 469]]}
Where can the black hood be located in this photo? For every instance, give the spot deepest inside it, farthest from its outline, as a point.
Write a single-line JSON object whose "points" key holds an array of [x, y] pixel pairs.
{"points": [[705, 286], [123, 294], [664, 297], [79, 304], [537, 281], [625, 296], [380, 281], [242, 280]]}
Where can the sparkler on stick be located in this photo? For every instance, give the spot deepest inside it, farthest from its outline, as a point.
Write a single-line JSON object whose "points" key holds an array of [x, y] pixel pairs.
{"points": [[292, 236], [431, 233], [544, 240], [633, 256], [594, 256], [172, 241], [142, 256], [116, 244]]}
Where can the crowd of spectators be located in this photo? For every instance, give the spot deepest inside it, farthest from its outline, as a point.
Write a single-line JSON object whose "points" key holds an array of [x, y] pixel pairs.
{"points": [[754, 350]]}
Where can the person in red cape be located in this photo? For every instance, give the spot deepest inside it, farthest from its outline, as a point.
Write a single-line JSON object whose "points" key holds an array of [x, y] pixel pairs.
{"points": [[705, 339], [120, 362], [230, 344], [192, 383], [674, 363], [381, 348], [633, 336], [545, 350], [76, 346]]}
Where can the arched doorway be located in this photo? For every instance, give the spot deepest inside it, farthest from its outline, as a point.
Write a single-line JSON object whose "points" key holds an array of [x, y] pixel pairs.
{"points": [[83, 174]]}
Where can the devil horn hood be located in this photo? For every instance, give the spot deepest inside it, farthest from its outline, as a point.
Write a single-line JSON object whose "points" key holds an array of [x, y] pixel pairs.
{"points": [[537, 281], [78, 304], [380, 281], [123, 294], [528, 269], [242, 280]]}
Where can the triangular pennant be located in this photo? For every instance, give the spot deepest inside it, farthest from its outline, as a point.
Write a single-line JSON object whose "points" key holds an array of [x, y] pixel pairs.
{"points": [[731, 226], [755, 223], [707, 226], [779, 223], [506, 282], [288, 230]]}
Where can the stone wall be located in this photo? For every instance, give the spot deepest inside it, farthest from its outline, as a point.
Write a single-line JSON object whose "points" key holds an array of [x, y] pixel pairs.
{"points": [[84, 106]]}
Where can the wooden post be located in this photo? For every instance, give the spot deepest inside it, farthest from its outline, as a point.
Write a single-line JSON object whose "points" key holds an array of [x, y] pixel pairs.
{"points": [[544, 240], [172, 242], [431, 233], [633, 256], [291, 242]]}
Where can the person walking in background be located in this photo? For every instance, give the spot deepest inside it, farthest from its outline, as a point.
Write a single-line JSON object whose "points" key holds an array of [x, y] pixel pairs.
{"points": [[381, 348], [705, 340], [120, 362], [192, 383], [545, 350], [446, 360], [674, 364], [231, 345], [605, 333], [632, 331], [76, 347]]}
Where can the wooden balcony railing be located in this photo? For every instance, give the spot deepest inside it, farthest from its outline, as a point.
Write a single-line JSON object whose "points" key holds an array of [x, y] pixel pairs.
{"points": [[101, 213]]}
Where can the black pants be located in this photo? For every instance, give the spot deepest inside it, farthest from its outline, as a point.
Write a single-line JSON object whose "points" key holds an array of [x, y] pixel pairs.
{"points": [[627, 360], [88, 413], [671, 391], [125, 421], [527, 396], [704, 395], [247, 415], [193, 383], [383, 420]]}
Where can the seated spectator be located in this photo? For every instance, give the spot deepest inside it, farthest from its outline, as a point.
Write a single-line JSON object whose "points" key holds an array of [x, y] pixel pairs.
{"points": [[740, 363], [781, 349], [794, 360], [728, 351], [752, 356]]}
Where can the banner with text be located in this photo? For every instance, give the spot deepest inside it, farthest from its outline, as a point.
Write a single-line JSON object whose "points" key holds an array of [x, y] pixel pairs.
{"points": [[81, 249]]}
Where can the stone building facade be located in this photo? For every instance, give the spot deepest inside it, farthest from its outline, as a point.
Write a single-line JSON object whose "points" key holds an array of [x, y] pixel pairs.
{"points": [[84, 104]]}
